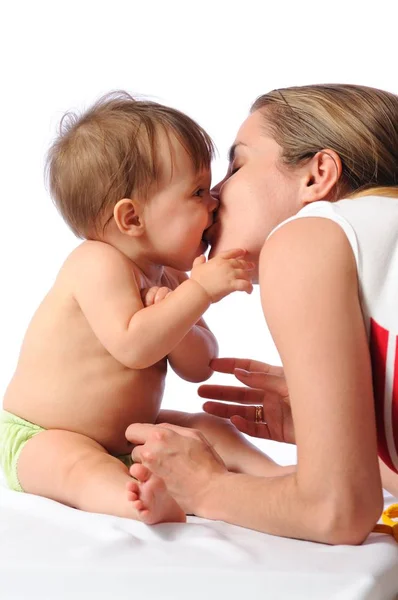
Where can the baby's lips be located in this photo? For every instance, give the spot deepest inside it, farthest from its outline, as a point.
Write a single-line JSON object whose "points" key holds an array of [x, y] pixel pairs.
{"points": [[208, 233]]}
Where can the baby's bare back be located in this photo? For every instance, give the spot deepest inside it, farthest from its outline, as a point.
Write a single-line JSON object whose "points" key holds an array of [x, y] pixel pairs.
{"points": [[66, 379]]}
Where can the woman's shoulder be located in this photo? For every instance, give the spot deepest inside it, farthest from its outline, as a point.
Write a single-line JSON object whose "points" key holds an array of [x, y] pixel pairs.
{"points": [[305, 254], [312, 221], [320, 209], [306, 237]]}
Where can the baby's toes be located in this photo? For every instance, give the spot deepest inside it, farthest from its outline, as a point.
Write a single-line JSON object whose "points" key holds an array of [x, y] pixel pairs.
{"points": [[139, 505], [138, 471], [132, 490]]}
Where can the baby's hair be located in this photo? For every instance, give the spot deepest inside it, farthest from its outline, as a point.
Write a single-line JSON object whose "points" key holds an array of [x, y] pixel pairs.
{"points": [[111, 152], [359, 123]]}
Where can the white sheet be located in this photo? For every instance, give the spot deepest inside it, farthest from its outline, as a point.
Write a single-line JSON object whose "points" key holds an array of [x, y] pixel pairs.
{"points": [[50, 551]]}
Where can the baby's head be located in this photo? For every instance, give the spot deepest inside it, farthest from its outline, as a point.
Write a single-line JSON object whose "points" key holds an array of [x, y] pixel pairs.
{"points": [[107, 164]]}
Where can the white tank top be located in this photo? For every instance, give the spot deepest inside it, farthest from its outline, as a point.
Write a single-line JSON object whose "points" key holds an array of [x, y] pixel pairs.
{"points": [[371, 226]]}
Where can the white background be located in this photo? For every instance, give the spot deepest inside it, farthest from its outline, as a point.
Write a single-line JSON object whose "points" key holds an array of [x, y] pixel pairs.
{"points": [[209, 59]]}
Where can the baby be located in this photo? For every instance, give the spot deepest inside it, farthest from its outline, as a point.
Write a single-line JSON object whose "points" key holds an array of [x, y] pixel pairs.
{"points": [[132, 178]]}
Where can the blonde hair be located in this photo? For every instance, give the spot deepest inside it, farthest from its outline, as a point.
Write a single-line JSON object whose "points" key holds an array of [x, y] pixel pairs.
{"points": [[359, 123], [111, 152]]}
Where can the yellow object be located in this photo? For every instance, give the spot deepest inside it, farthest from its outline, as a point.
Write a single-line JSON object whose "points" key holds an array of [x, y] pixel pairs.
{"points": [[389, 525]]}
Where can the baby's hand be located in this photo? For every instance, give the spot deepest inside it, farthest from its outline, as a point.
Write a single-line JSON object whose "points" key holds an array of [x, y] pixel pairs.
{"points": [[154, 295], [226, 273]]}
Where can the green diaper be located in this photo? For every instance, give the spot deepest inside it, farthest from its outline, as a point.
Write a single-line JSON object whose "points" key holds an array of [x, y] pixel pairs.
{"points": [[14, 433]]}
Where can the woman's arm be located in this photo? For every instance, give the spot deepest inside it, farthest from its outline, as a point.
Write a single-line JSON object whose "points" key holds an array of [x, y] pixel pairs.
{"points": [[310, 299], [309, 292], [267, 386]]}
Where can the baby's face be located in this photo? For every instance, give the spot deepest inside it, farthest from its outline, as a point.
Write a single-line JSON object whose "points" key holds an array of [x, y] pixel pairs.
{"points": [[177, 215]]}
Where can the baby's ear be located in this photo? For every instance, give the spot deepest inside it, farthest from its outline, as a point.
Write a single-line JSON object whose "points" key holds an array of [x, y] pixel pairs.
{"points": [[127, 215], [322, 174]]}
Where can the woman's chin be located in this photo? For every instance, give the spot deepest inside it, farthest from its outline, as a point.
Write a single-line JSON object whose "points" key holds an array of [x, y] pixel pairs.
{"points": [[215, 249]]}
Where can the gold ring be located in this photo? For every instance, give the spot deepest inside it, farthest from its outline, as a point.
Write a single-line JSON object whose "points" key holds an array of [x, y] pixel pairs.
{"points": [[259, 418]]}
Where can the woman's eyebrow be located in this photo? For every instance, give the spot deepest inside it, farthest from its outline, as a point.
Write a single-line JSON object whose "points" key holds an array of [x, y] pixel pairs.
{"points": [[231, 153]]}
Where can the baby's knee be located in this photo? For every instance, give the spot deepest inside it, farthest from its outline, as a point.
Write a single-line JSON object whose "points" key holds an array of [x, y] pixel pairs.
{"points": [[208, 424]]}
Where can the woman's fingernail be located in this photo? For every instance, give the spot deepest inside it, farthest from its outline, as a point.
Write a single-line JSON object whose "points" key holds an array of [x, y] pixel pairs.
{"points": [[242, 372]]}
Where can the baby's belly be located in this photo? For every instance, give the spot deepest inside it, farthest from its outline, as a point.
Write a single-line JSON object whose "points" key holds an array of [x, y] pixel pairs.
{"points": [[102, 410]]}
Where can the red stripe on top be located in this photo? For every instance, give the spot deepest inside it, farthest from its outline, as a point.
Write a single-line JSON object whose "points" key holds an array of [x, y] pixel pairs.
{"points": [[378, 352], [395, 399]]}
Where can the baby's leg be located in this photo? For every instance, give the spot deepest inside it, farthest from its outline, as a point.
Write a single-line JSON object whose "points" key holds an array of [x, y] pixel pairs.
{"points": [[75, 470], [238, 454]]}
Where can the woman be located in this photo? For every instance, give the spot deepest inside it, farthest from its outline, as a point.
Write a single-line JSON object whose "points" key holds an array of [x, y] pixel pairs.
{"points": [[311, 192]]}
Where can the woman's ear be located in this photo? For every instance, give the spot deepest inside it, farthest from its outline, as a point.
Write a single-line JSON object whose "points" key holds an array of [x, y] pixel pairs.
{"points": [[128, 217], [322, 174]]}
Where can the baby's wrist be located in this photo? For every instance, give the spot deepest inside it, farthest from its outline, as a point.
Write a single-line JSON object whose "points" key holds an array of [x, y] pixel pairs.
{"points": [[202, 289]]}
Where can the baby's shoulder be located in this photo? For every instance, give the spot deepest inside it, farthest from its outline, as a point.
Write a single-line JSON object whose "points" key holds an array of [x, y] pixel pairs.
{"points": [[94, 261], [92, 250], [92, 256]]}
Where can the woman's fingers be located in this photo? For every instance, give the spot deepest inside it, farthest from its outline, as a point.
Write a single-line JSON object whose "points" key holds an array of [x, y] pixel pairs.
{"points": [[241, 395], [252, 428], [257, 383], [228, 365], [264, 381], [226, 411]]}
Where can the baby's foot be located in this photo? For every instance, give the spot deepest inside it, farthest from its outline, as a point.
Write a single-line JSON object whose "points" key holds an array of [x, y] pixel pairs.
{"points": [[150, 498]]}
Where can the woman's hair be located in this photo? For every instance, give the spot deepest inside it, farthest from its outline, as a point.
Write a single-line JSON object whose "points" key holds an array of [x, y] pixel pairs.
{"points": [[112, 152], [359, 123]]}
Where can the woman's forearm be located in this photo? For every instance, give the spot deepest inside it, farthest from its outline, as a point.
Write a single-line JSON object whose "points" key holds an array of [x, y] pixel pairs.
{"points": [[275, 506]]}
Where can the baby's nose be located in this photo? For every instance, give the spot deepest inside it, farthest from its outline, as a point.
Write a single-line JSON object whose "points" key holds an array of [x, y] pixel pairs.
{"points": [[215, 191], [214, 202]]}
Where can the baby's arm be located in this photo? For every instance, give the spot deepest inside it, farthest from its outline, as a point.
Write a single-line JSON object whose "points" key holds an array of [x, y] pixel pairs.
{"points": [[106, 289], [107, 292], [191, 358]]}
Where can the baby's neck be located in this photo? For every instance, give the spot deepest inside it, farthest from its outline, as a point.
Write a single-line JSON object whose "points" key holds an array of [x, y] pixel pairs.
{"points": [[151, 270]]}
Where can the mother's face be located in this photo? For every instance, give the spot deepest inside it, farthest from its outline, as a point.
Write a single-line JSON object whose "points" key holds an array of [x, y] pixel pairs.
{"points": [[257, 194]]}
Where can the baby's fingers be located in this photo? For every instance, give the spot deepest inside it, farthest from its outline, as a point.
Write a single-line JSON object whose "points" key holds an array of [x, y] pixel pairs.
{"points": [[242, 285], [242, 264], [242, 281], [234, 253], [161, 294], [149, 296]]}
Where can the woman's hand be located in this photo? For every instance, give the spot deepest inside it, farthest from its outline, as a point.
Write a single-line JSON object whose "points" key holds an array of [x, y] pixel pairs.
{"points": [[266, 386], [182, 457]]}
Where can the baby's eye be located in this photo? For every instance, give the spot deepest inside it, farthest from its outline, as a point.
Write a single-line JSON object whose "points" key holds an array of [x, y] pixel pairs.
{"points": [[200, 192]]}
